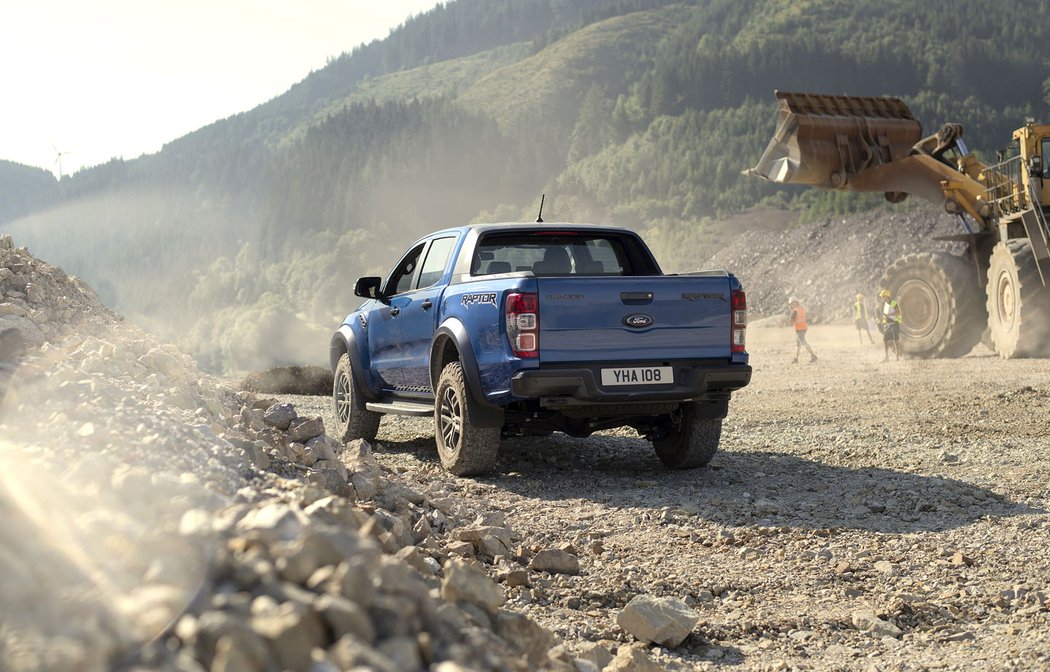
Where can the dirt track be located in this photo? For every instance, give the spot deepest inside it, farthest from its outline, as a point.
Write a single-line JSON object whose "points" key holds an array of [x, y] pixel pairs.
{"points": [[859, 516]]}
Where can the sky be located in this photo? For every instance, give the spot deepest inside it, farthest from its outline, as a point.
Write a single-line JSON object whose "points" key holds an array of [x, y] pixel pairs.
{"points": [[97, 79]]}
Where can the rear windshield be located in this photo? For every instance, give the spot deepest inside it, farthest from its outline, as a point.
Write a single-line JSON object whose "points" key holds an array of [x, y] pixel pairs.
{"points": [[558, 253]]}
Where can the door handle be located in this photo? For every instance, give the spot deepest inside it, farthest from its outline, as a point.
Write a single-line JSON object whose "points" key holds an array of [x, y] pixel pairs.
{"points": [[395, 311], [636, 298], [427, 304]]}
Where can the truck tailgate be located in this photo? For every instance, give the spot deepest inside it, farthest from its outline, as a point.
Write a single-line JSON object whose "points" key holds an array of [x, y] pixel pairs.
{"points": [[595, 319]]}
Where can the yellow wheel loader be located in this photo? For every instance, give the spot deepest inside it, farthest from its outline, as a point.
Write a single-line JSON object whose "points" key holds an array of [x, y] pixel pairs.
{"points": [[871, 144]]}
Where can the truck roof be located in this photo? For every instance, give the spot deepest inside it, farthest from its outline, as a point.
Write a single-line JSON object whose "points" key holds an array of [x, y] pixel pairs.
{"points": [[554, 226]]}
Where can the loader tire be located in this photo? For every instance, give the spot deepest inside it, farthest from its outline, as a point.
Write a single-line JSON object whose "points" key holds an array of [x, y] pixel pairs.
{"points": [[940, 301], [1018, 304]]}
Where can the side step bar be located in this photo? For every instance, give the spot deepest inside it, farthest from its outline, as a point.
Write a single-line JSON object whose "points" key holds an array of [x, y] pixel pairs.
{"points": [[402, 407]]}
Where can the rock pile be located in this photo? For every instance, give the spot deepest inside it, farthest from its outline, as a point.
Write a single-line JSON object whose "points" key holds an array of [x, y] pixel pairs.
{"points": [[40, 301], [311, 580], [825, 264], [164, 521], [289, 380]]}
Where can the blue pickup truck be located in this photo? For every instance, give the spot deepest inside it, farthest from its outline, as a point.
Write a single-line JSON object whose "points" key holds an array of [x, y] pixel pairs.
{"points": [[525, 329]]}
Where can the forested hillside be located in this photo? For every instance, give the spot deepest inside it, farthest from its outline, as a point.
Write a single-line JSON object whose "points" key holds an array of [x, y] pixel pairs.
{"points": [[242, 239], [24, 190]]}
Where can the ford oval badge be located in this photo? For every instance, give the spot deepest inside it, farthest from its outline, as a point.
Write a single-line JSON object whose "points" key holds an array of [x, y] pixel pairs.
{"points": [[637, 320]]}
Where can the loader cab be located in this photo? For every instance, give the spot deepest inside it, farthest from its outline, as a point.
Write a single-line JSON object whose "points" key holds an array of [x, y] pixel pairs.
{"points": [[1033, 143]]}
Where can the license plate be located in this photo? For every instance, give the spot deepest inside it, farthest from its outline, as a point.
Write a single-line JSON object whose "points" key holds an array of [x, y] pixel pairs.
{"points": [[638, 375]]}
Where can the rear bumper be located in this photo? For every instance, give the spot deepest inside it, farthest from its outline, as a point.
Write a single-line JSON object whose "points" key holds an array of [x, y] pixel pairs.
{"points": [[692, 382]]}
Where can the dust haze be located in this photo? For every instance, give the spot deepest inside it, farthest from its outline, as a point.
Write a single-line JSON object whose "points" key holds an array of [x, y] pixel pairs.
{"points": [[206, 271], [198, 276]]}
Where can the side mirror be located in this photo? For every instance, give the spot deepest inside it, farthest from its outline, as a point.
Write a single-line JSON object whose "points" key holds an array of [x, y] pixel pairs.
{"points": [[369, 287]]}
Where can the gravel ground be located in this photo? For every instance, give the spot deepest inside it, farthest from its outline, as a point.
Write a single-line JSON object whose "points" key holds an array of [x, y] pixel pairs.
{"points": [[859, 515]]}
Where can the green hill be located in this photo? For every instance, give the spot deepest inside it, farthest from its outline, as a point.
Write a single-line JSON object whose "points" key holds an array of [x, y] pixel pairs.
{"points": [[242, 239], [543, 90], [24, 189]]}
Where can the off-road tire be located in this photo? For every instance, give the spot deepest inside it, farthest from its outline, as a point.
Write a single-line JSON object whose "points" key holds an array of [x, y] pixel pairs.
{"points": [[940, 302], [1018, 304], [464, 449], [692, 443], [355, 421]]}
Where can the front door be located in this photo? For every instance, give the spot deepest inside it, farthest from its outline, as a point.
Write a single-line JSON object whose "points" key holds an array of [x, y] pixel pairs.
{"points": [[384, 342], [385, 322], [419, 316]]}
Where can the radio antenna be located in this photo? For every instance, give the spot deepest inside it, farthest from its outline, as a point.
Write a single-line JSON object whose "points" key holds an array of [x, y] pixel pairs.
{"points": [[539, 217]]}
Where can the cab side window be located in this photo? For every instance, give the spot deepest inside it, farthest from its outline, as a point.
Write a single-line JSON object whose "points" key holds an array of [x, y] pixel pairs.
{"points": [[434, 264], [401, 279]]}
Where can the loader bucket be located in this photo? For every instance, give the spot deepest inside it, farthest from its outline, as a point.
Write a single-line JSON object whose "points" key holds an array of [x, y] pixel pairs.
{"points": [[825, 141]]}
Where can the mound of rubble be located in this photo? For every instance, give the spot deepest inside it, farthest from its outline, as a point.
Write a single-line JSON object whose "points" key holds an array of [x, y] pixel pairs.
{"points": [[157, 519], [301, 380], [826, 264]]}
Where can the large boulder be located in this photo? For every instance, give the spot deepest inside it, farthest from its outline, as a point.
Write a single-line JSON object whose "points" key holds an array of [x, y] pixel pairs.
{"points": [[466, 583], [661, 620]]}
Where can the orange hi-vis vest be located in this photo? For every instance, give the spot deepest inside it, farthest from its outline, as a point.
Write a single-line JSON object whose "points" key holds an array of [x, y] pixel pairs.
{"points": [[800, 319]]}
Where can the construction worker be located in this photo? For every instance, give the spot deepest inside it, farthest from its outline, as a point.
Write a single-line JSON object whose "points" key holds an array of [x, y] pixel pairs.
{"points": [[860, 318], [798, 320], [891, 325]]}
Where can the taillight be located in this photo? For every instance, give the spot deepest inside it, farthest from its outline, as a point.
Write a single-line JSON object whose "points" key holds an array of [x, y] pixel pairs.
{"points": [[522, 311], [739, 321]]}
